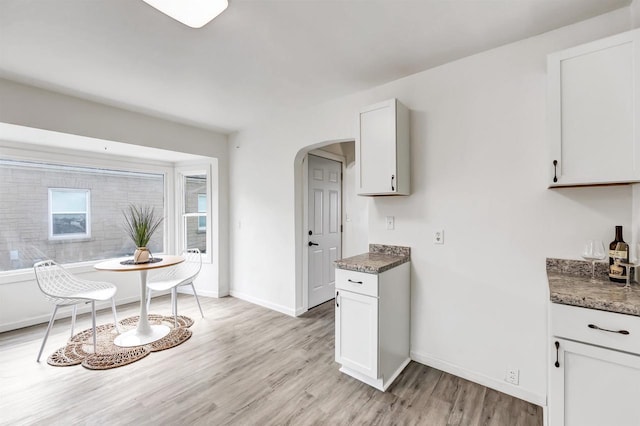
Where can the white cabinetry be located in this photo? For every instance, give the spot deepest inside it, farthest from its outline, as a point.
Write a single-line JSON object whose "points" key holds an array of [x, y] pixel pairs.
{"points": [[594, 376], [372, 324], [594, 112], [382, 149]]}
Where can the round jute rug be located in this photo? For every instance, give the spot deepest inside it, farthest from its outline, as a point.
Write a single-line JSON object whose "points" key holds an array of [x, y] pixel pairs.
{"points": [[79, 348]]}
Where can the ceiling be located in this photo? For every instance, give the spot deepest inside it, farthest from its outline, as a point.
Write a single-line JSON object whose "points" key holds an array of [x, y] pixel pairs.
{"points": [[259, 56]]}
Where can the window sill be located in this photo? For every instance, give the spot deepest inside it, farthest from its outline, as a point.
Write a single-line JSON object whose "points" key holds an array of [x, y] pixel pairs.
{"points": [[23, 275], [76, 239]]}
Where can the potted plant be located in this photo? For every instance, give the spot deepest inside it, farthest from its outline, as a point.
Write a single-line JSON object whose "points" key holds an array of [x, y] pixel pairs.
{"points": [[140, 222]]}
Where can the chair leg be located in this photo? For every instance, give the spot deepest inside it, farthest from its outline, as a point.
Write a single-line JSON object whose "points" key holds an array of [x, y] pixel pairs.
{"points": [[46, 334], [174, 305], [73, 318], [93, 322], [115, 316], [197, 300]]}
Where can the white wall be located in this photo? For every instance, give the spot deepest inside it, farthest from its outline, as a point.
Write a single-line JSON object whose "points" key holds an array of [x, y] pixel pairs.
{"points": [[356, 212], [32, 107], [478, 172]]}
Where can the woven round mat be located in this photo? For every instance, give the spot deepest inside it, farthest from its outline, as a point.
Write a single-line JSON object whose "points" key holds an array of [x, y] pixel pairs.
{"points": [[79, 348]]}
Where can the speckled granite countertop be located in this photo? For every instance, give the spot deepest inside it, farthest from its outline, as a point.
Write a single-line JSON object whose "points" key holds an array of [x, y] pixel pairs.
{"points": [[379, 259], [570, 284]]}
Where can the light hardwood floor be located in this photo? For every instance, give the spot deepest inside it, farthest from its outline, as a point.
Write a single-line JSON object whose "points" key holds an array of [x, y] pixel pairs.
{"points": [[244, 365]]}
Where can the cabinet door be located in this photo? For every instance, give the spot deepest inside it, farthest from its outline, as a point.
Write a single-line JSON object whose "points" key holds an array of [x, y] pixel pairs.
{"points": [[593, 117], [376, 149], [593, 386], [357, 332]]}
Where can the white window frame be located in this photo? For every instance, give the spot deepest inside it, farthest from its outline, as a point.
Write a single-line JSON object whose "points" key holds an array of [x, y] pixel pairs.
{"points": [[183, 170], [202, 228], [77, 236], [16, 151]]}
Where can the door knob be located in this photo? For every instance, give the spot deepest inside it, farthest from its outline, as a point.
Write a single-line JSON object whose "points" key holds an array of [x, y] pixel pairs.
{"points": [[312, 244]]}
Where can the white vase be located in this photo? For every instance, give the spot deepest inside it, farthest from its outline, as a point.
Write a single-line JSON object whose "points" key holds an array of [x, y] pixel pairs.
{"points": [[141, 255]]}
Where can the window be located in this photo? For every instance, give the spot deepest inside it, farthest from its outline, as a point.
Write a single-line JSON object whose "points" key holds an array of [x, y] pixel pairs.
{"points": [[72, 213], [69, 213], [202, 208], [194, 210]]}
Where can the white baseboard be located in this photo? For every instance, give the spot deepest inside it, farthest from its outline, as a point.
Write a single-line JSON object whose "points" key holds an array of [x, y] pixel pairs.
{"points": [[381, 385], [206, 293], [481, 379], [300, 311], [256, 301], [63, 313], [66, 312]]}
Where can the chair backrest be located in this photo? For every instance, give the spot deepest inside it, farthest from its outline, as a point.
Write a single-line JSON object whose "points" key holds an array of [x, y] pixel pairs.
{"points": [[193, 263], [54, 281], [187, 271]]}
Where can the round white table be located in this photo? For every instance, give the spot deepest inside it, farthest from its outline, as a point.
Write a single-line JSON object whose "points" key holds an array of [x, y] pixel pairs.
{"points": [[144, 333]]}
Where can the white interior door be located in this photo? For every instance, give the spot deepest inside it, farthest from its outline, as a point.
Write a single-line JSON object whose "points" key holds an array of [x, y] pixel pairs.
{"points": [[325, 222]]}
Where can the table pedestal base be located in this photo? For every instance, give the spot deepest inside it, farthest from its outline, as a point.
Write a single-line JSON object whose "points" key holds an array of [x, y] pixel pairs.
{"points": [[136, 338]]}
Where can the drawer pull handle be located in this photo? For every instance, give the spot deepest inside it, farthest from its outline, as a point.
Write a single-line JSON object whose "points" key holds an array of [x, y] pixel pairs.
{"points": [[557, 364], [355, 282], [595, 327], [555, 170], [337, 294]]}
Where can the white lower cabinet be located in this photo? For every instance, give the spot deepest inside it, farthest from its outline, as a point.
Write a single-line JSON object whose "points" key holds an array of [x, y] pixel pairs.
{"points": [[372, 324], [357, 332], [591, 384]]}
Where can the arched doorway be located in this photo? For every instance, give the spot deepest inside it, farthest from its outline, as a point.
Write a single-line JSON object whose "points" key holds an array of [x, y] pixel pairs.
{"points": [[353, 214]]}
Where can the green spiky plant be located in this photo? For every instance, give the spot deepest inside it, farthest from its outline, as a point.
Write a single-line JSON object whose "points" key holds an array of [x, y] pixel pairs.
{"points": [[140, 222]]}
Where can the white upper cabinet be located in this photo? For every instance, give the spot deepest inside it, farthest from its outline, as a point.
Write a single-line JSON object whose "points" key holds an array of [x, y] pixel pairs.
{"points": [[594, 112], [382, 149]]}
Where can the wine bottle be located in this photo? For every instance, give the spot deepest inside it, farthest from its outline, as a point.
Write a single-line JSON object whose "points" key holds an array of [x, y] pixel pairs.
{"points": [[617, 272]]}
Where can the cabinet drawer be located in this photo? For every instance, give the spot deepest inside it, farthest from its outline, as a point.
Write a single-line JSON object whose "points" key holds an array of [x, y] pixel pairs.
{"points": [[596, 327], [357, 282]]}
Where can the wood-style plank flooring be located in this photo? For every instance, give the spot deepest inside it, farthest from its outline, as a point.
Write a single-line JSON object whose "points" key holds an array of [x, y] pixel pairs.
{"points": [[244, 365]]}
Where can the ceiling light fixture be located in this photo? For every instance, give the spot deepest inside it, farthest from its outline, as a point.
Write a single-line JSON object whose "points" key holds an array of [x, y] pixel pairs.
{"points": [[193, 13]]}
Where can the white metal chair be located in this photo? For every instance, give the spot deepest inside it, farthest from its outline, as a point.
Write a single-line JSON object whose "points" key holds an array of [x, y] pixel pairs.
{"points": [[175, 276], [64, 289]]}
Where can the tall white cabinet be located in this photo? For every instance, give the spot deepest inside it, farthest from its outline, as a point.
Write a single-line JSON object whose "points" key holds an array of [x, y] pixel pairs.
{"points": [[372, 324], [594, 376], [382, 149], [594, 112]]}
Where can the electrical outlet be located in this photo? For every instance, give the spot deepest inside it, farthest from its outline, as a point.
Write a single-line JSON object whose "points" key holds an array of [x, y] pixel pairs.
{"points": [[512, 376], [391, 222], [438, 237]]}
